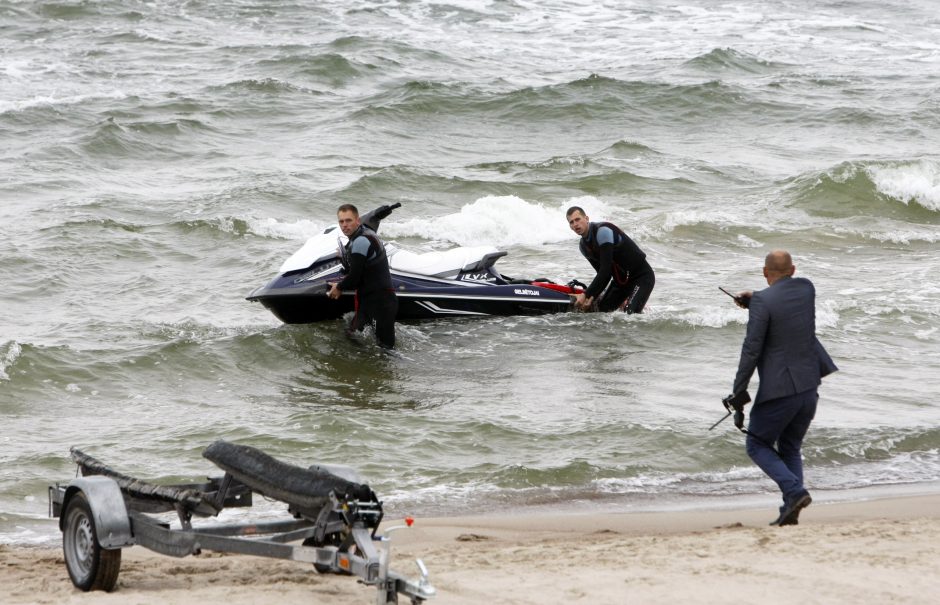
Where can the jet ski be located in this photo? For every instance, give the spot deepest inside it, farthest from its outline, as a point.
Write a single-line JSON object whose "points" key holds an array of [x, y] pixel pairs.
{"points": [[459, 282]]}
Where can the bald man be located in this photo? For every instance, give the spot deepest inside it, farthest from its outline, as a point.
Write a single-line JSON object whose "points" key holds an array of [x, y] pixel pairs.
{"points": [[781, 345]]}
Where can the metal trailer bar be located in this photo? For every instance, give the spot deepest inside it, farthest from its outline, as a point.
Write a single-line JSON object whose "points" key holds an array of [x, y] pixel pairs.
{"points": [[371, 568], [251, 539]]}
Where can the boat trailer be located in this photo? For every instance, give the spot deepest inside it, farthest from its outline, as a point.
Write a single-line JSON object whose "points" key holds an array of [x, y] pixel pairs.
{"points": [[332, 514]]}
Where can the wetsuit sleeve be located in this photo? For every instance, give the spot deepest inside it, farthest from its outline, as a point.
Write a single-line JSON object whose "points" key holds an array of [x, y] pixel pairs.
{"points": [[603, 271], [358, 253]]}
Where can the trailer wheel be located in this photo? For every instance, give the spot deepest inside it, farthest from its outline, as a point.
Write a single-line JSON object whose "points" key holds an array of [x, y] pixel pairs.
{"points": [[90, 566]]}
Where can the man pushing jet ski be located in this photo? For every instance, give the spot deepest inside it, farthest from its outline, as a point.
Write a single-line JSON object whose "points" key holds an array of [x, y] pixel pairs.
{"points": [[624, 278], [367, 272]]}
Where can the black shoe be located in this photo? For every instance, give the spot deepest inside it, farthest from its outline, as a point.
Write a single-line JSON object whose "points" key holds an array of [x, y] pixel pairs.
{"points": [[790, 515], [780, 518]]}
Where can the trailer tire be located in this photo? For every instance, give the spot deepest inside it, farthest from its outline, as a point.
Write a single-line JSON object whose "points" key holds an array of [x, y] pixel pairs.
{"points": [[90, 566]]}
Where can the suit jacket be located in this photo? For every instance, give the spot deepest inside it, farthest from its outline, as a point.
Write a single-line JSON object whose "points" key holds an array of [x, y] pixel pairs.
{"points": [[781, 341]]}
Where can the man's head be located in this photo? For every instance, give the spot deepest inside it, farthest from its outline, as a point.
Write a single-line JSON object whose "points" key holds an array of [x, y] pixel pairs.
{"points": [[347, 216], [577, 220], [778, 264]]}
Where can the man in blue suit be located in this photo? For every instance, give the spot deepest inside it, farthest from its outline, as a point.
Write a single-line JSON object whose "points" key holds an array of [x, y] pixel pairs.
{"points": [[781, 344]]}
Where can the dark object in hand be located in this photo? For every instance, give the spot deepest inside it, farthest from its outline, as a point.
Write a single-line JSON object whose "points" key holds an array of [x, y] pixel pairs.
{"points": [[735, 403], [739, 419], [742, 301]]}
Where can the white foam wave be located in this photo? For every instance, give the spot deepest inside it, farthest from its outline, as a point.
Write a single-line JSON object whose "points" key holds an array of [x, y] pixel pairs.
{"points": [[827, 314], [748, 242], [300, 230], [500, 221], [714, 217], [8, 358], [52, 101], [28, 536], [892, 236], [14, 69], [698, 318], [914, 182], [690, 218]]}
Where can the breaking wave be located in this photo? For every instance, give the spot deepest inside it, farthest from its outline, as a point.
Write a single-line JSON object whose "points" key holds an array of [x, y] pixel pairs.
{"points": [[499, 221], [907, 190], [9, 353]]}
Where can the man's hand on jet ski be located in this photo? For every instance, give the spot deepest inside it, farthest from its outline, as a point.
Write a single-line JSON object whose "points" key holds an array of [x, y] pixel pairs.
{"points": [[583, 302], [334, 292]]}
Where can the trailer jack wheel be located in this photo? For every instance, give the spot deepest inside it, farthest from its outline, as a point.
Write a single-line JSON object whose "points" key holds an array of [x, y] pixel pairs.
{"points": [[90, 566]]}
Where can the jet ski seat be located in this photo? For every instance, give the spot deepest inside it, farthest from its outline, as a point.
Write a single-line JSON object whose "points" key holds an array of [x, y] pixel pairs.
{"points": [[307, 490], [445, 263]]}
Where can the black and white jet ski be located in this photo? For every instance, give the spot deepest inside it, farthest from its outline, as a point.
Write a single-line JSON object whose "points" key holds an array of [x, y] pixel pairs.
{"points": [[461, 281]]}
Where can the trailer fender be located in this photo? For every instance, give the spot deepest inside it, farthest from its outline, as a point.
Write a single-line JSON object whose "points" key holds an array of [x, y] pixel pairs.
{"points": [[112, 523]]}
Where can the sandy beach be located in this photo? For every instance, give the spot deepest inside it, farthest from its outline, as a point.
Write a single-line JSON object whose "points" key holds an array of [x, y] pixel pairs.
{"points": [[884, 550]]}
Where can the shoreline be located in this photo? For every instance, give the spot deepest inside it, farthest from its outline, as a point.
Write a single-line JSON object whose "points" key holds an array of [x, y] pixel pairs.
{"points": [[875, 550], [639, 504]]}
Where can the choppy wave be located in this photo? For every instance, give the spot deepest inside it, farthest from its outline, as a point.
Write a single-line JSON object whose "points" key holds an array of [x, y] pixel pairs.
{"points": [[332, 69], [618, 170], [270, 86], [272, 227], [594, 97], [9, 353], [499, 221], [114, 138], [878, 444], [619, 153], [908, 190], [94, 222], [69, 10], [916, 182], [56, 102], [583, 482], [720, 60]]}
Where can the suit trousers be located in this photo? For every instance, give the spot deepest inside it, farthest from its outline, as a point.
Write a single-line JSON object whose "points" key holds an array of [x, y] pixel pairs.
{"points": [[782, 422]]}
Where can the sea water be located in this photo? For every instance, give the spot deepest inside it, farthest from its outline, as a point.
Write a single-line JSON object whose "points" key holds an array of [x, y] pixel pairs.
{"points": [[160, 160]]}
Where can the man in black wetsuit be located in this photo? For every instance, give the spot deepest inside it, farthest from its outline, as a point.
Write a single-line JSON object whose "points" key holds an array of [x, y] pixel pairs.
{"points": [[368, 274], [618, 261]]}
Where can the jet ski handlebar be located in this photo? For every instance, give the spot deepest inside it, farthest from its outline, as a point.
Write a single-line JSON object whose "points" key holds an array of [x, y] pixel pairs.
{"points": [[383, 211], [374, 217]]}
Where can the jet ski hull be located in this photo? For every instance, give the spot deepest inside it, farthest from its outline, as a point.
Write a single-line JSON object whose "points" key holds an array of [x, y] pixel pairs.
{"points": [[308, 303]]}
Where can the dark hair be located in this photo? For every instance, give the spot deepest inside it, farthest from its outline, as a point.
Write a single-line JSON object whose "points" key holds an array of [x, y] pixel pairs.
{"points": [[348, 208], [574, 209]]}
